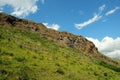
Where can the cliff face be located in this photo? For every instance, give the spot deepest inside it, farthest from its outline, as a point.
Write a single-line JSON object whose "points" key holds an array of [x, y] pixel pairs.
{"points": [[63, 38]]}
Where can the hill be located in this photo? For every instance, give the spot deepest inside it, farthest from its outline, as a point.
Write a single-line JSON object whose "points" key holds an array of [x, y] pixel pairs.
{"points": [[37, 53], [63, 38]]}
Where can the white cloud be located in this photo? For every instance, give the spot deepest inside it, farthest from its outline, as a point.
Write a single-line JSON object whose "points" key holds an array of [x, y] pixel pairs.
{"points": [[108, 46], [112, 11], [101, 8], [43, 1], [21, 8], [114, 54], [95, 18], [52, 26], [90, 21]]}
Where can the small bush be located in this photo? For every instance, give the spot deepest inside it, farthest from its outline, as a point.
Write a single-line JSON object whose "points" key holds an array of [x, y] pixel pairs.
{"points": [[96, 74], [117, 69], [20, 59], [105, 74], [60, 71], [3, 72]]}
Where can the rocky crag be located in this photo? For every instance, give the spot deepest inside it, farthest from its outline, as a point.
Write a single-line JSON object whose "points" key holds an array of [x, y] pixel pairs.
{"points": [[63, 38]]}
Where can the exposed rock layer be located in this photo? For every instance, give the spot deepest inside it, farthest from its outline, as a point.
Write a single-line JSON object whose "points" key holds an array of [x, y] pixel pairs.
{"points": [[63, 38]]}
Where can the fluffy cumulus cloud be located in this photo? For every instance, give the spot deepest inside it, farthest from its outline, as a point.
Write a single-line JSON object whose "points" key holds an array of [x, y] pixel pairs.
{"points": [[95, 18], [112, 11], [20, 7], [108, 46], [52, 26]]}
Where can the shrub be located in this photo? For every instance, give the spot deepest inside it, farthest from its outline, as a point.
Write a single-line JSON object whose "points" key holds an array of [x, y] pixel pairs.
{"points": [[20, 58], [105, 74], [117, 69], [60, 71]]}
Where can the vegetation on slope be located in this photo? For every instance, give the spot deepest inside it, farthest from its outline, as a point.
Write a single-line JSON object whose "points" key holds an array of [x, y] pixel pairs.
{"points": [[27, 56], [63, 38]]}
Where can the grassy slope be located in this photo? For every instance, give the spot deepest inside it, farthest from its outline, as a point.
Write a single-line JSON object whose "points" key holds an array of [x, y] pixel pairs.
{"points": [[27, 56]]}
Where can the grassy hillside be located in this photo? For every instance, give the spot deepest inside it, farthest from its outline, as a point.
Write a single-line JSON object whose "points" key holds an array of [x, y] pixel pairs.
{"points": [[27, 56]]}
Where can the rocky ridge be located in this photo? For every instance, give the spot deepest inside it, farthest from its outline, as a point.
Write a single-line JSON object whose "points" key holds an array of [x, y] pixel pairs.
{"points": [[63, 38]]}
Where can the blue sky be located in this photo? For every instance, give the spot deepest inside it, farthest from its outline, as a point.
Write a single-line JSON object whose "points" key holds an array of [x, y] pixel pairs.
{"points": [[97, 20], [66, 13]]}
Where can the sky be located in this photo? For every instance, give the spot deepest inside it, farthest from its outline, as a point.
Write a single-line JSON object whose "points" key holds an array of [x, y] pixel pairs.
{"points": [[97, 20]]}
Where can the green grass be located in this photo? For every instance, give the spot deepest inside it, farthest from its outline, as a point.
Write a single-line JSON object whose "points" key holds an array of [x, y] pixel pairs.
{"points": [[25, 55]]}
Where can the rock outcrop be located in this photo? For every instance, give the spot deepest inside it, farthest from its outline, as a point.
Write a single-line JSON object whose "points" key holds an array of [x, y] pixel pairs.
{"points": [[63, 38]]}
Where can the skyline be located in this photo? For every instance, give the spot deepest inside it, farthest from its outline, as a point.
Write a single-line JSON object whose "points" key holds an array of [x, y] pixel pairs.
{"points": [[97, 20]]}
